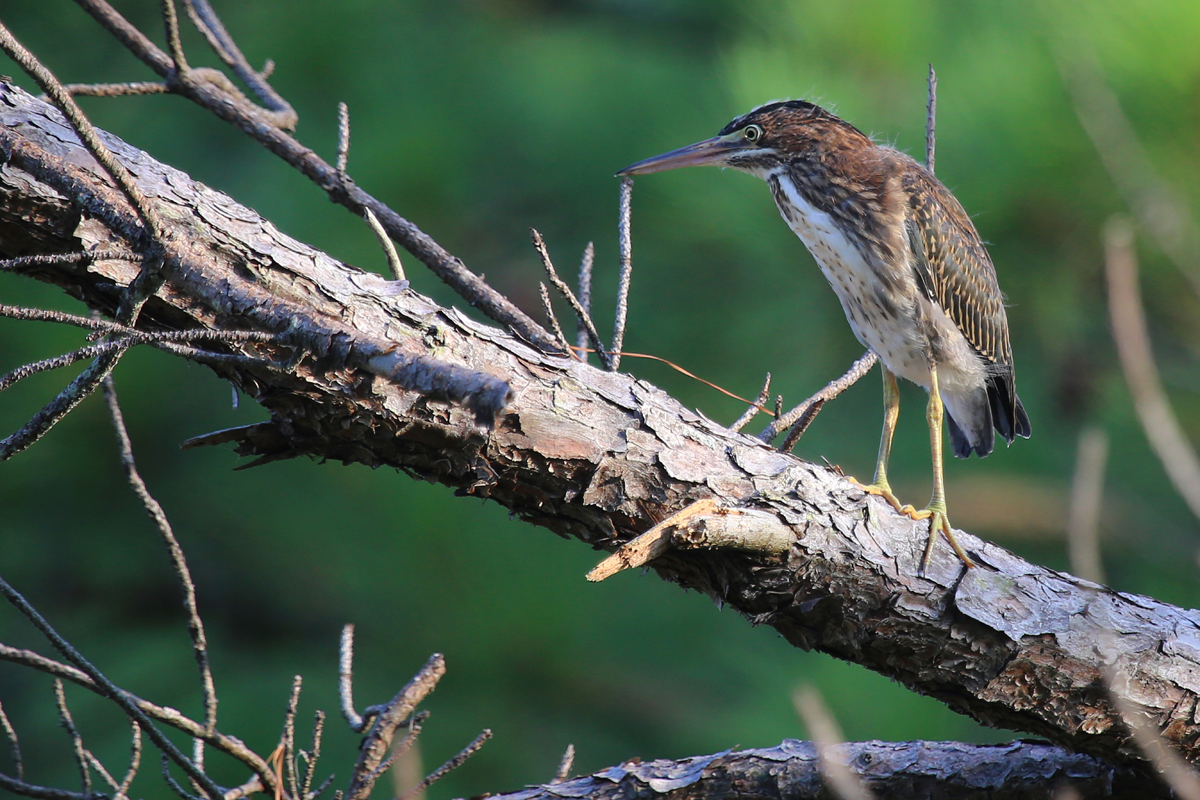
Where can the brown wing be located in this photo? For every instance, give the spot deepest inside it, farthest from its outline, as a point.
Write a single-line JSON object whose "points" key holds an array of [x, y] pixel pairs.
{"points": [[954, 270], [952, 266]]}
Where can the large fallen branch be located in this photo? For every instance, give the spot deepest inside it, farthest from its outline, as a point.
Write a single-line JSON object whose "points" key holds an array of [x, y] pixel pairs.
{"points": [[383, 376]]}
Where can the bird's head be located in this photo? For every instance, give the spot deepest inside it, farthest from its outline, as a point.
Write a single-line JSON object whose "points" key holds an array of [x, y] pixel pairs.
{"points": [[758, 142]]}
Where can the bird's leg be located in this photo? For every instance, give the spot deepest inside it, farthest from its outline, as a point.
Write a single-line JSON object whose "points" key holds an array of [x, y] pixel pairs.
{"points": [[891, 412], [935, 512]]}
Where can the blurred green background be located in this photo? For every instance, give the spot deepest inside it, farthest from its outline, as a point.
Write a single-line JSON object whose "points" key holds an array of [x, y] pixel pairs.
{"points": [[478, 120]]}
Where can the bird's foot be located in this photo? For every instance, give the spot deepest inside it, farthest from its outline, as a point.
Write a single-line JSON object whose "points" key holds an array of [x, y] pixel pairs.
{"points": [[938, 523], [880, 489]]}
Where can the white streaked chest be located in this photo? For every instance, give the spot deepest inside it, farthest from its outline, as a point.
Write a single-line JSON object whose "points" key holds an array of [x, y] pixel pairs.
{"points": [[885, 321]]}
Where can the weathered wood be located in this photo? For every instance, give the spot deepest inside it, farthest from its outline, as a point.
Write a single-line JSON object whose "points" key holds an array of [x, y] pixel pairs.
{"points": [[601, 457], [891, 770]]}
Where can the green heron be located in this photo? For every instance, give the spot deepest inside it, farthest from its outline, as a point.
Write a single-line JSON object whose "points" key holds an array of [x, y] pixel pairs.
{"points": [[913, 277]]}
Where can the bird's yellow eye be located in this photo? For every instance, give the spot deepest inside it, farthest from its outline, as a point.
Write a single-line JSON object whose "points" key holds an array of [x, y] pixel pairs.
{"points": [[752, 133]]}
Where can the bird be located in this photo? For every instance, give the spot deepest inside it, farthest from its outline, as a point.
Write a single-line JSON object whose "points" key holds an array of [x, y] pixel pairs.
{"points": [[912, 275]]}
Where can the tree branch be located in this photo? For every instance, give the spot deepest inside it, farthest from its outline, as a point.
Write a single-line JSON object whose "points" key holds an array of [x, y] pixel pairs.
{"points": [[601, 457]]}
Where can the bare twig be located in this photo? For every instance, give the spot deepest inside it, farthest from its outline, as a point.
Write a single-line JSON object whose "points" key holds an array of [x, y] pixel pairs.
{"points": [[802, 425], [109, 689], [288, 739], [226, 744], [825, 733], [83, 128], [625, 242], [754, 407], [1087, 498], [174, 784], [931, 120], [135, 761], [346, 680], [64, 719], [552, 319], [392, 716], [385, 241], [450, 765], [126, 89], [564, 766], [219, 100], [14, 744], [539, 244], [87, 256], [831, 390], [311, 756], [1125, 307], [277, 110], [343, 148], [585, 295], [174, 45], [178, 561]]}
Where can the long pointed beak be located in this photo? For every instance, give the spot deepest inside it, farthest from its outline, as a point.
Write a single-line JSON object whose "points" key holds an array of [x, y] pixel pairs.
{"points": [[709, 152]]}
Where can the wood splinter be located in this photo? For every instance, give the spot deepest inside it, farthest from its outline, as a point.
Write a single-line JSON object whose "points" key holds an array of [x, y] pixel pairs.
{"points": [[704, 523]]}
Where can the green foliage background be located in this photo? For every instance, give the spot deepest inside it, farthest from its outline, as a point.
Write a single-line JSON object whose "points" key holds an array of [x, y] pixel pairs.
{"points": [[477, 120]]}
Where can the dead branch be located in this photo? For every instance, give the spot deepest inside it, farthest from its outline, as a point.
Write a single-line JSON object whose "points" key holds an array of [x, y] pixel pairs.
{"points": [[891, 770], [600, 457]]}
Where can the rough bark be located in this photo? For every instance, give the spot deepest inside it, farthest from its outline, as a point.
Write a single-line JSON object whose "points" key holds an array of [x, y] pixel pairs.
{"points": [[600, 457], [891, 770]]}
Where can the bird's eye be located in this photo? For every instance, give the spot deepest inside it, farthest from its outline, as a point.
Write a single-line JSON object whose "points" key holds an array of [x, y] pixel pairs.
{"points": [[752, 133]]}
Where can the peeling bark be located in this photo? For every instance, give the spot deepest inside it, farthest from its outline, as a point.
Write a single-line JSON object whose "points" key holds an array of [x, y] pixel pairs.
{"points": [[891, 770], [600, 457]]}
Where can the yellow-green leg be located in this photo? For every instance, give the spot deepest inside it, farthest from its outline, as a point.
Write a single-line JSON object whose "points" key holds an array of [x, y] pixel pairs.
{"points": [[891, 413], [935, 512]]}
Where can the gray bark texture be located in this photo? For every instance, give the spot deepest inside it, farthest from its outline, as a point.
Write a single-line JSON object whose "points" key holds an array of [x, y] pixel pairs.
{"points": [[368, 371], [890, 770]]}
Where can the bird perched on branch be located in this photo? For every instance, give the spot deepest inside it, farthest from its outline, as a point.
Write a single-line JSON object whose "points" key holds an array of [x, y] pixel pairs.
{"points": [[913, 277]]}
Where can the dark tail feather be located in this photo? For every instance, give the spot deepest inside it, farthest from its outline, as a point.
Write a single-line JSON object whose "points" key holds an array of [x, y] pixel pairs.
{"points": [[1007, 412], [958, 440]]}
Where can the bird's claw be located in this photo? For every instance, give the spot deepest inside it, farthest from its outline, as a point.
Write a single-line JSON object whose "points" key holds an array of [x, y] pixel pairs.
{"points": [[938, 523], [881, 490]]}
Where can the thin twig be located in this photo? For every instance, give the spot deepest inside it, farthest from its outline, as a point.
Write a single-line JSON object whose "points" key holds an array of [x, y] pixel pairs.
{"points": [[343, 148], [220, 101], [174, 44], [802, 425], [95, 764], [14, 744], [288, 739], [135, 761], [277, 110], [385, 241], [311, 756], [64, 719], [539, 244], [392, 716], [108, 688], [552, 319], [226, 744], [625, 242], [754, 407], [450, 765], [127, 89], [831, 390], [346, 680], [1159, 422], [173, 784], [86, 256], [842, 783], [1087, 498], [565, 765], [931, 120], [83, 128], [585, 295]]}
